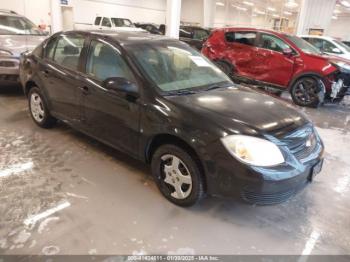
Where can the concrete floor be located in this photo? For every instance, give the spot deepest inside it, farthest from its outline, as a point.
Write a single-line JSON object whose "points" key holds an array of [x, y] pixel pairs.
{"points": [[103, 202]]}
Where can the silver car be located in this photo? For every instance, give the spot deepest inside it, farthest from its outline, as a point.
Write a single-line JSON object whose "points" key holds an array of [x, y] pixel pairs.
{"points": [[17, 35]]}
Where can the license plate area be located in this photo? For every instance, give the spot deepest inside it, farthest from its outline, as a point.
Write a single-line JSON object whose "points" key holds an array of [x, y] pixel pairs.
{"points": [[315, 170]]}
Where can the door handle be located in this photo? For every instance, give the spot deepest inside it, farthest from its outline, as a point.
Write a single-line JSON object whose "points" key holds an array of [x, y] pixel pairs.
{"points": [[84, 89], [46, 73]]}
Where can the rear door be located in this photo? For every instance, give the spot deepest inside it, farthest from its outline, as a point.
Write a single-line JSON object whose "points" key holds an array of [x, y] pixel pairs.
{"points": [[241, 50], [273, 66], [107, 115], [61, 74]]}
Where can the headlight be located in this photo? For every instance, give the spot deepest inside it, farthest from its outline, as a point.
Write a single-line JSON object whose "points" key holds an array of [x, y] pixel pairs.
{"points": [[341, 64], [5, 53], [253, 151]]}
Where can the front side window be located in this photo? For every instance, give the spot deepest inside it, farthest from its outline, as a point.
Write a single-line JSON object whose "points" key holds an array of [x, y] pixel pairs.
{"points": [[245, 38], [105, 61], [106, 22], [122, 22], [68, 50], [14, 25], [174, 66], [329, 47], [273, 43]]}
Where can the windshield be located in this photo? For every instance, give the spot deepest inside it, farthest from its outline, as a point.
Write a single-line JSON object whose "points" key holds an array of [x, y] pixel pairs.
{"points": [[174, 66], [347, 48], [14, 25], [122, 22], [304, 45]]}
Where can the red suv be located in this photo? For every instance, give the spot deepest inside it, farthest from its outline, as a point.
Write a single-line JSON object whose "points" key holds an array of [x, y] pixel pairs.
{"points": [[279, 61]]}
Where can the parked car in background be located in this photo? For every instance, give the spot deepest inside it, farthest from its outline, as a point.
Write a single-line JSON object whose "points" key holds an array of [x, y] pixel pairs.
{"points": [[17, 35], [328, 45], [194, 36], [164, 103], [280, 61], [115, 23], [152, 28]]}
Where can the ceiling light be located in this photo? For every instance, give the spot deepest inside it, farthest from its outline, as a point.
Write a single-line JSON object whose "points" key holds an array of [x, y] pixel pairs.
{"points": [[248, 3], [271, 9], [287, 13], [220, 4], [275, 15], [259, 12], [240, 8], [336, 11], [334, 17], [291, 4], [345, 3]]}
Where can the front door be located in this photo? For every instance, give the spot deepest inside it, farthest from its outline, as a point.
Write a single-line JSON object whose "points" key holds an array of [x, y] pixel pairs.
{"points": [[109, 116], [274, 67]]}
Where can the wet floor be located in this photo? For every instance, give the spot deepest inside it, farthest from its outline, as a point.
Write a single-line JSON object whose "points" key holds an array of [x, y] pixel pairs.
{"points": [[64, 193]]}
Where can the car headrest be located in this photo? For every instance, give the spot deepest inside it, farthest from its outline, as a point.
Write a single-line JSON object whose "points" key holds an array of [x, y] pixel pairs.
{"points": [[70, 50]]}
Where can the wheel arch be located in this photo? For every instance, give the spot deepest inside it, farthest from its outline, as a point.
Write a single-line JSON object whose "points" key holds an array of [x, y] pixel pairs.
{"points": [[300, 76], [162, 139], [29, 85]]}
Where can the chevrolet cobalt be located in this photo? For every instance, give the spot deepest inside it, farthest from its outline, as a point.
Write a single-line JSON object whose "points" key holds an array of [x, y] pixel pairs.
{"points": [[162, 102]]}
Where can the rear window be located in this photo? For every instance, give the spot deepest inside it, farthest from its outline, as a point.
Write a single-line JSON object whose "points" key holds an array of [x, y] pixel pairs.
{"points": [[245, 38]]}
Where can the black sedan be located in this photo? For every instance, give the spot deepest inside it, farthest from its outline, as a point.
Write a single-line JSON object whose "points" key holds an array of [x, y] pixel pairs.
{"points": [[162, 102]]}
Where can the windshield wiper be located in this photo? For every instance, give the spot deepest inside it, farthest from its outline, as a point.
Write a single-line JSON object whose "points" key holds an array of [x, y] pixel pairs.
{"points": [[181, 92]]}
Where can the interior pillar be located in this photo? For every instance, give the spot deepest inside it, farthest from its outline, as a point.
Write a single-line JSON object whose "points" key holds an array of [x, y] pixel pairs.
{"points": [[173, 13]]}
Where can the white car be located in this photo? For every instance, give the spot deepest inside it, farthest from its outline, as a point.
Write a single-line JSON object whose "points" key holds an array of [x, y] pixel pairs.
{"points": [[329, 45], [114, 23]]}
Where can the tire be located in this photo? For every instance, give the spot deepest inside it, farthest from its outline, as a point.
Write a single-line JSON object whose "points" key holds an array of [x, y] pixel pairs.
{"points": [[306, 92], [225, 67], [177, 175], [38, 109]]}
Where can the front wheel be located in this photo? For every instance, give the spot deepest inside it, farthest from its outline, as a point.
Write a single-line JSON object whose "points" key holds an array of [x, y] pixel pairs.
{"points": [[38, 109], [177, 175], [308, 91]]}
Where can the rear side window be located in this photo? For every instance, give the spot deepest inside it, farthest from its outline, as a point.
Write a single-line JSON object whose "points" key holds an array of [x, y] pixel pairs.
{"points": [[106, 22], [50, 49], [68, 51], [245, 38], [98, 20]]}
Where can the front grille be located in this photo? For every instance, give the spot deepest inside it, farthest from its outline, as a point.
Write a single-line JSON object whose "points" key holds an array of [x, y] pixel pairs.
{"points": [[302, 142], [7, 64], [266, 198], [10, 78]]}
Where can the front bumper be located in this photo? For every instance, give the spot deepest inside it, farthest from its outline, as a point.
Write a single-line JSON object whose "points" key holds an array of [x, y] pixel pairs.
{"points": [[228, 177], [9, 69]]}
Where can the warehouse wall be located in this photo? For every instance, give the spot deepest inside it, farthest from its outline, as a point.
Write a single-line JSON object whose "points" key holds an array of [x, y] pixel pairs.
{"points": [[192, 11], [339, 28], [85, 11]]}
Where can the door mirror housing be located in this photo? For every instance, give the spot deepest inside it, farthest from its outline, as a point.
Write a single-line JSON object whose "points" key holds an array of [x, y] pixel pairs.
{"points": [[121, 85], [287, 52]]}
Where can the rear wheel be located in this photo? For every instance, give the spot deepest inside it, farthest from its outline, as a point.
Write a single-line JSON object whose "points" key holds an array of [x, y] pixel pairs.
{"points": [[307, 92], [38, 109], [177, 175]]}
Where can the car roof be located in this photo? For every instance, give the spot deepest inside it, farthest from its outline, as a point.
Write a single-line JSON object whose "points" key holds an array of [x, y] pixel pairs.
{"points": [[250, 29], [124, 37], [317, 36], [9, 13]]}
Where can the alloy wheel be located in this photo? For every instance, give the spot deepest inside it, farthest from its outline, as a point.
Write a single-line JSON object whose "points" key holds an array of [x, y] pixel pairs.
{"points": [[37, 107], [176, 176]]}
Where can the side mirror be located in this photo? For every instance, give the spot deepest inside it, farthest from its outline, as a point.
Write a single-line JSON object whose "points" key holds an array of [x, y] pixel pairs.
{"points": [[287, 52], [336, 50], [121, 85]]}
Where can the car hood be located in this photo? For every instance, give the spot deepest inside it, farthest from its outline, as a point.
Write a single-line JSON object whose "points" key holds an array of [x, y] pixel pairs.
{"points": [[242, 110], [18, 44]]}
